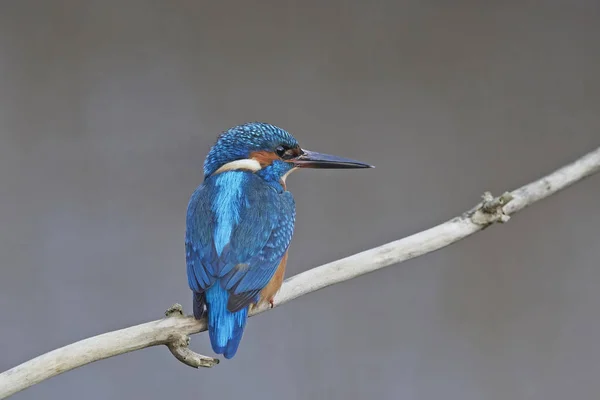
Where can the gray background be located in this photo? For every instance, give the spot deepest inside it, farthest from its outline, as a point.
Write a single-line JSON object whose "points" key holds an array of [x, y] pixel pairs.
{"points": [[108, 108]]}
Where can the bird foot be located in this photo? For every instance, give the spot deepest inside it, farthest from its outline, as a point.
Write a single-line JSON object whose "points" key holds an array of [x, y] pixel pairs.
{"points": [[261, 303]]}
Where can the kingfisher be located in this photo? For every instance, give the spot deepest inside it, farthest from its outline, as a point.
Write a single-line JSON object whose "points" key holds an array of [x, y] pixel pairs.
{"points": [[239, 225]]}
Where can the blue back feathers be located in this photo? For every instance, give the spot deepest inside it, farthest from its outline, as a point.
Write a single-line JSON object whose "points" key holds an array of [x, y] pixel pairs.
{"points": [[239, 225]]}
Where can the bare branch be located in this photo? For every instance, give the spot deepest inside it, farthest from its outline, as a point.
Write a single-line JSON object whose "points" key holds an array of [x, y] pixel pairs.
{"points": [[174, 330], [179, 347]]}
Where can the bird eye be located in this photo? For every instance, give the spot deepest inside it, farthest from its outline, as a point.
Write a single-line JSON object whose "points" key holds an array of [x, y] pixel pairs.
{"points": [[280, 150], [285, 152]]}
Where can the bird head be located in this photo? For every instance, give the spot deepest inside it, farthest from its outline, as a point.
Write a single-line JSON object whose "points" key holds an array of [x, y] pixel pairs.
{"points": [[268, 150]]}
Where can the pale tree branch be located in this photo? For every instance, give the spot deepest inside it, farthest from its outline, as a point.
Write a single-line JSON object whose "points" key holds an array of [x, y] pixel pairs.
{"points": [[174, 330]]}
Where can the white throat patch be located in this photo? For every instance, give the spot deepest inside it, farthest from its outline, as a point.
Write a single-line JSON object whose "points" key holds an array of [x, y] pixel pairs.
{"points": [[249, 164]]}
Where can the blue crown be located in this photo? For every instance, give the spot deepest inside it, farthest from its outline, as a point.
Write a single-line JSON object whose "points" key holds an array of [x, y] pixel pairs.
{"points": [[238, 142]]}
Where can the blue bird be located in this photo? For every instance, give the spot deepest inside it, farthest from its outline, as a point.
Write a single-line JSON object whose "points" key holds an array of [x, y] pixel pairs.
{"points": [[239, 225]]}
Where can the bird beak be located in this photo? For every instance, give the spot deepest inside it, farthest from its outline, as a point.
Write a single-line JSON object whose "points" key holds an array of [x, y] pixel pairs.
{"points": [[312, 159]]}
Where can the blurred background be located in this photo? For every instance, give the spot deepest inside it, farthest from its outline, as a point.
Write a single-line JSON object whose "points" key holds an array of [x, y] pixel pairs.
{"points": [[108, 108]]}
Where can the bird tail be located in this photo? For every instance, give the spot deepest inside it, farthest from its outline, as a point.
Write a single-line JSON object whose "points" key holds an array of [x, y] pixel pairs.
{"points": [[224, 327]]}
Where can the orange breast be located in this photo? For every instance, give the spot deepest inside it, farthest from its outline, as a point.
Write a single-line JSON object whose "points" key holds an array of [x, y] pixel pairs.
{"points": [[269, 291]]}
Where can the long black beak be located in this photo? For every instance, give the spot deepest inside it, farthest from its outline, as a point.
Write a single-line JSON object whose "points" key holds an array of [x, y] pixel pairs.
{"points": [[312, 159]]}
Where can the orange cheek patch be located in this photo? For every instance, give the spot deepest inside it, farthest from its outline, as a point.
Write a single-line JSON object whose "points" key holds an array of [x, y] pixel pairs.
{"points": [[264, 158]]}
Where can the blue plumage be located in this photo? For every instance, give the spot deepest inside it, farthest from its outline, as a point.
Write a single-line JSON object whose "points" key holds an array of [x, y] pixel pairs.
{"points": [[225, 328], [239, 225], [238, 229]]}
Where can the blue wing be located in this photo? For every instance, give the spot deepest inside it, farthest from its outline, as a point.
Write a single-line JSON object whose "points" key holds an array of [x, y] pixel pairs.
{"points": [[238, 229]]}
